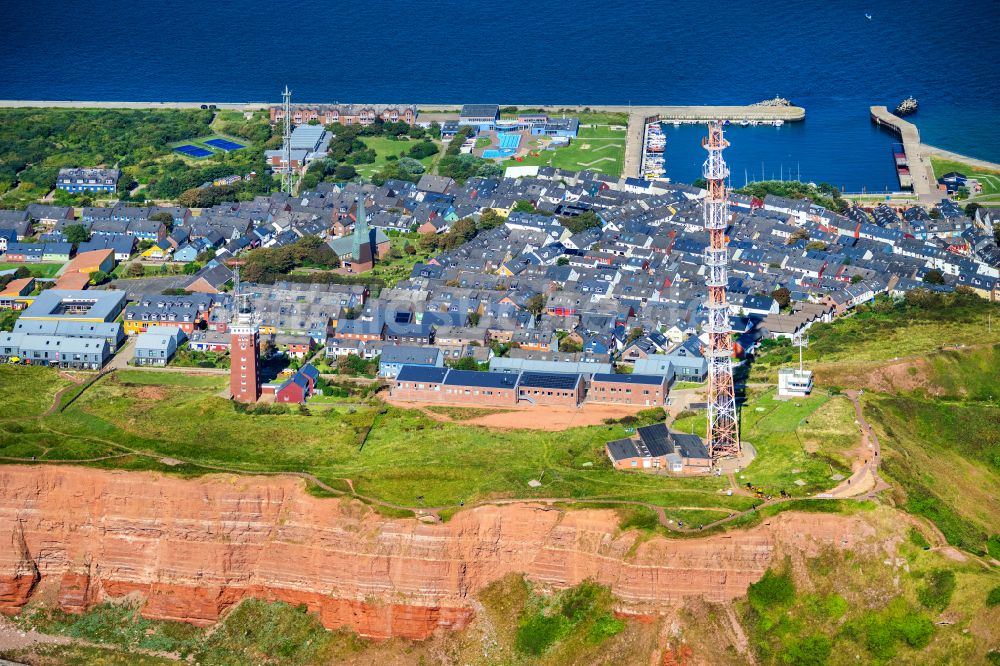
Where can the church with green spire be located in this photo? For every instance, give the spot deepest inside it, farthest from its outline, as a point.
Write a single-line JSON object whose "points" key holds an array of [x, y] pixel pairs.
{"points": [[359, 250]]}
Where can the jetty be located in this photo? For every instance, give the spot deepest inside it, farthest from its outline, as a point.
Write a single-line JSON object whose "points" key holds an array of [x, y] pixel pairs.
{"points": [[917, 162], [640, 115]]}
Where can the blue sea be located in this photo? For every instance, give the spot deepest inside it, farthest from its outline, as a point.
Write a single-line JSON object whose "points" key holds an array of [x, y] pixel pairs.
{"points": [[824, 56]]}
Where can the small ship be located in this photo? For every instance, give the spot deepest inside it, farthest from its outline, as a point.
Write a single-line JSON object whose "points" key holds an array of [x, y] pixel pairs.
{"points": [[907, 106]]}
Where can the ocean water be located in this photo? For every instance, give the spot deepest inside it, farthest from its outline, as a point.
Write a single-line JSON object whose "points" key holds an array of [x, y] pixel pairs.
{"points": [[825, 56]]}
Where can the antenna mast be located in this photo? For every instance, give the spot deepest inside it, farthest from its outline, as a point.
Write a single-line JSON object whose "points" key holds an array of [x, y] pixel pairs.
{"points": [[723, 426], [286, 185]]}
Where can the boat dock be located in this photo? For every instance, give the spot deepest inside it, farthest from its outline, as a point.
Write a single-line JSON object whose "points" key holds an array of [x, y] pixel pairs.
{"points": [[912, 164], [640, 116]]}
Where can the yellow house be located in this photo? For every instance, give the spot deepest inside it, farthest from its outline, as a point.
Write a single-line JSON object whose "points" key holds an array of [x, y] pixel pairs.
{"points": [[157, 252]]}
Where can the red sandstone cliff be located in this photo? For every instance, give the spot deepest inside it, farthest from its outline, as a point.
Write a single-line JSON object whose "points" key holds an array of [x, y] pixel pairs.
{"points": [[195, 548]]}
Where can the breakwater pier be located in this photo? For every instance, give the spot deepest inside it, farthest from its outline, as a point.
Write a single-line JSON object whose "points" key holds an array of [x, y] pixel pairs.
{"points": [[919, 167]]}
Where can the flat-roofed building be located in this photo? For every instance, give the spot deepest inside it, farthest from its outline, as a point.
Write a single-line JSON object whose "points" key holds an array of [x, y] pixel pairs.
{"points": [[794, 383], [76, 305], [480, 116], [550, 388], [645, 390]]}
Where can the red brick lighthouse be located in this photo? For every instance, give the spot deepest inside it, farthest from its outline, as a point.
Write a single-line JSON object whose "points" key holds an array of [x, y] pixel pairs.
{"points": [[244, 348]]}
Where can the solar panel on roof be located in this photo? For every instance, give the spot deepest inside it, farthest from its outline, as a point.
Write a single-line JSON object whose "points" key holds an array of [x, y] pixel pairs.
{"points": [[550, 380], [420, 373], [473, 378], [656, 439]]}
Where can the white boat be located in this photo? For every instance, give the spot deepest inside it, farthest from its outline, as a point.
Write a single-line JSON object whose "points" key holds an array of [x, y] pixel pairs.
{"points": [[779, 122]]}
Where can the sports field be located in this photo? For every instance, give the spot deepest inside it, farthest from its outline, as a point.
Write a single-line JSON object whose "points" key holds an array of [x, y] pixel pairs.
{"points": [[597, 148], [206, 146], [38, 270]]}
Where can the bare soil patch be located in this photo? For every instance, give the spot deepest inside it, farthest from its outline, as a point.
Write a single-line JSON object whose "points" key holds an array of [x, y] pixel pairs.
{"points": [[151, 393], [528, 417]]}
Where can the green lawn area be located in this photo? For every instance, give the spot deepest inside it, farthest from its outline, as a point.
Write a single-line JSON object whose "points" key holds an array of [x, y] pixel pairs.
{"points": [[27, 390], [989, 179], [846, 348], [405, 455], [596, 149], [779, 429], [383, 147], [38, 270], [394, 270]]}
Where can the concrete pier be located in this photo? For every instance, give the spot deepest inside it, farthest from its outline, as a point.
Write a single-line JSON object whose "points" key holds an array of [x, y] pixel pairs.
{"points": [[921, 170]]}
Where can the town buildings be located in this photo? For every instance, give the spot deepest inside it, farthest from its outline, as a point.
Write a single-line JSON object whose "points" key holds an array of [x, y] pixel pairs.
{"points": [[88, 180], [347, 114], [157, 345]]}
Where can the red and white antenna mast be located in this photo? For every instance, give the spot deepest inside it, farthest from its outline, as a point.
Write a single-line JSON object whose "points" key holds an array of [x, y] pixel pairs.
{"points": [[723, 425]]}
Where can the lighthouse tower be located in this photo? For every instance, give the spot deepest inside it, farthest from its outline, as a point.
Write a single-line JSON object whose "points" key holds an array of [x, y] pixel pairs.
{"points": [[244, 348]]}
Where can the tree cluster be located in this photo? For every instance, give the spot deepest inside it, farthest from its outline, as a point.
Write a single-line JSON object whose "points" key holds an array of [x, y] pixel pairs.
{"points": [[267, 265], [585, 220], [463, 166], [824, 194]]}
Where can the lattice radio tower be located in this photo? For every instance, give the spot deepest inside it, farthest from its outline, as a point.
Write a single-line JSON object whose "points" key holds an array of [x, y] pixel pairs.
{"points": [[286, 182], [723, 424]]}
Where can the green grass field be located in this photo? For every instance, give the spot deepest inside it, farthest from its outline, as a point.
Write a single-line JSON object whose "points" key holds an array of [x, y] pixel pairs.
{"points": [[384, 147], [884, 332], [932, 396], [392, 270], [405, 455], [989, 179], [38, 270], [595, 149]]}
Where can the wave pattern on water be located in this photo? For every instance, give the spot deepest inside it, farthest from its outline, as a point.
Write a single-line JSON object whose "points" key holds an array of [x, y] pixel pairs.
{"points": [[825, 56]]}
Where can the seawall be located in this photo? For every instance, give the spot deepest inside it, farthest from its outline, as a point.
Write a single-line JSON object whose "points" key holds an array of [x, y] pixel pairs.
{"points": [[683, 113]]}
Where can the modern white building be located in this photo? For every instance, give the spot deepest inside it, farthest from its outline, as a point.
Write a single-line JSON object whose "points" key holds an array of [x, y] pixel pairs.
{"points": [[794, 383]]}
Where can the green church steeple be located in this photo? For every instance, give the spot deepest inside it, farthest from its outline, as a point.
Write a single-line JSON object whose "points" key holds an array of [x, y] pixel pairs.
{"points": [[362, 234]]}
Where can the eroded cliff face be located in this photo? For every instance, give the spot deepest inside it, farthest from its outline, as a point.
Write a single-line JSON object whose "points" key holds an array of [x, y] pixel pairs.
{"points": [[193, 548]]}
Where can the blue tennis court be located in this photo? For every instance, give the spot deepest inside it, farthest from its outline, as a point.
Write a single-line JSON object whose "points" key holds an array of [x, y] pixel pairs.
{"points": [[192, 151], [224, 144]]}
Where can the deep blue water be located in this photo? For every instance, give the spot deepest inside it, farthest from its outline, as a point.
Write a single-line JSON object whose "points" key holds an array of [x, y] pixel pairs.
{"points": [[824, 56]]}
